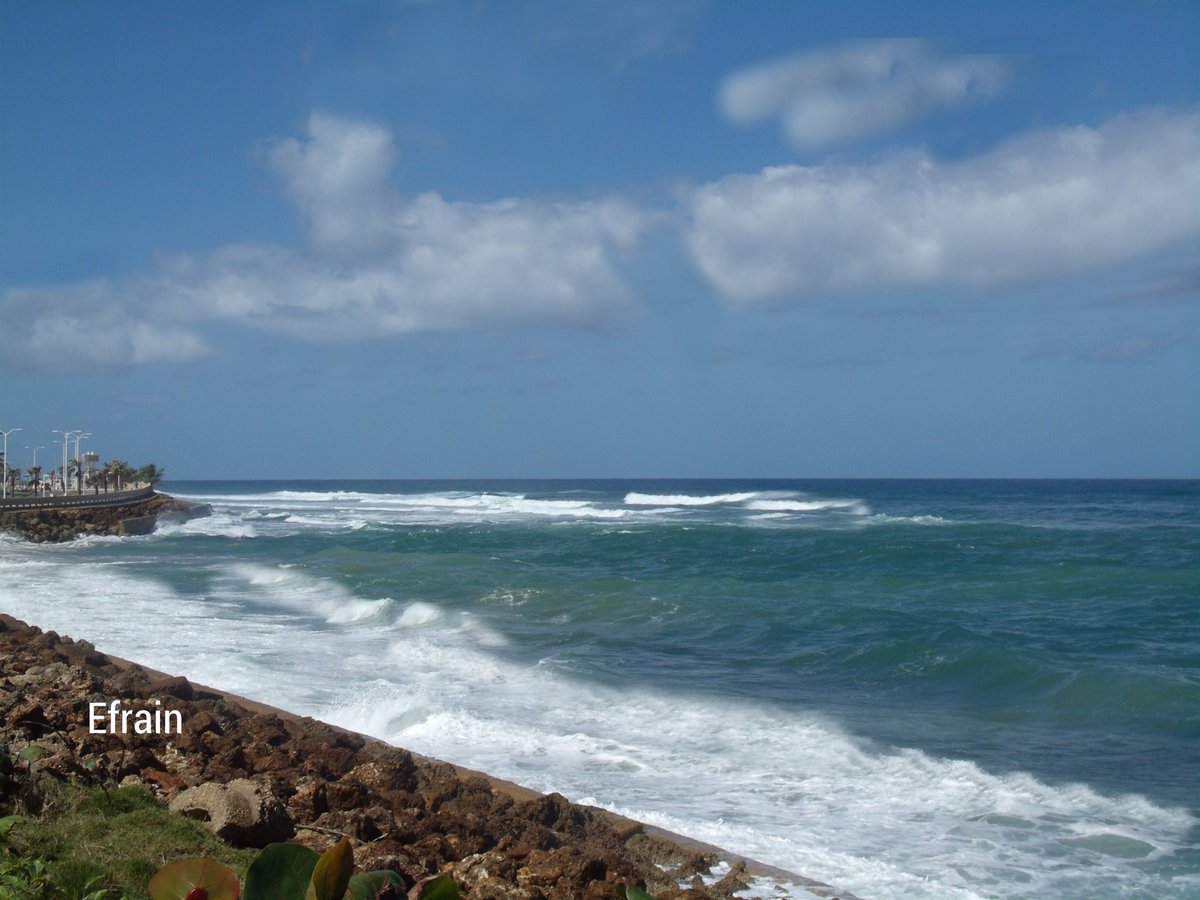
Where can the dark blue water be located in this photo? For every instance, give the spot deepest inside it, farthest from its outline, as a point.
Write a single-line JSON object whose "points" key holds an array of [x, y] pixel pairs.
{"points": [[908, 688]]}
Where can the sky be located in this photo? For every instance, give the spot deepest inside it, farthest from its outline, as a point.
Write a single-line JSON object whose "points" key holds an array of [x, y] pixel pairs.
{"points": [[603, 239]]}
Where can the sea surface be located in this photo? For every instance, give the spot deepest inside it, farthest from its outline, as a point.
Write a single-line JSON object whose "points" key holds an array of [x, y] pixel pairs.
{"points": [[907, 689]]}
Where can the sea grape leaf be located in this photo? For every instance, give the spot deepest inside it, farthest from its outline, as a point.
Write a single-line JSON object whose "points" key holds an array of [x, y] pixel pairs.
{"points": [[367, 885], [280, 872], [32, 752], [331, 873], [176, 880], [439, 887], [632, 892]]}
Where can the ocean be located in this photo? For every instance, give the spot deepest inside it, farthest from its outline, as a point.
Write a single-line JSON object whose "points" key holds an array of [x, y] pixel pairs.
{"points": [[906, 689]]}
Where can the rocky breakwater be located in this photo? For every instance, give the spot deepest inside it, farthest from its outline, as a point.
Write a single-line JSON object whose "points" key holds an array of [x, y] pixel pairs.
{"points": [[65, 524], [256, 775]]}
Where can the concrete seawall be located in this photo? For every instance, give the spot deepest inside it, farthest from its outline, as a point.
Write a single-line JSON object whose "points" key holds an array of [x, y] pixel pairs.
{"points": [[77, 501]]}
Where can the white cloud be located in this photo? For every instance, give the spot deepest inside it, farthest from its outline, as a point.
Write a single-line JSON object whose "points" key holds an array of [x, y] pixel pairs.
{"points": [[338, 179], [1047, 204], [857, 90], [90, 325], [378, 264]]}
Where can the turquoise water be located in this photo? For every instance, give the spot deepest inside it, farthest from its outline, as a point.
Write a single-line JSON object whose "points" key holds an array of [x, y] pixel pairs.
{"points": [[904, 688]]}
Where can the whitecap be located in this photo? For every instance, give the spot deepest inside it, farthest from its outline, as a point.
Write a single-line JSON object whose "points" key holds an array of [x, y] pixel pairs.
{"points": [[637, 499], [855, 506], [417, 614]]}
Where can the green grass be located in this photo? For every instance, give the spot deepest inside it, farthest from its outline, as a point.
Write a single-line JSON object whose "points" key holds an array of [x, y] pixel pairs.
{"points": [[90, 841]]}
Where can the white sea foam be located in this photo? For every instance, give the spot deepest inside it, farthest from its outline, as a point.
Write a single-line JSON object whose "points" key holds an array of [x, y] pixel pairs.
{"points": [[792, 790], [855, 506], [417, 614], [347, 509], [282, 512], [881, 519], [293, 589], [636, 499]]}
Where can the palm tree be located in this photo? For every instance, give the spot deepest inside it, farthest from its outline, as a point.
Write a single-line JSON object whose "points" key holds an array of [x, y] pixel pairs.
{"points": [[119, 471], [150, 474]]}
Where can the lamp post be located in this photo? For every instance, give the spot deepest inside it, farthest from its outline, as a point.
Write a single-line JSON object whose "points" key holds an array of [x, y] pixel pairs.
{"points": [[79, 461], [6, 434], [67, 435]]}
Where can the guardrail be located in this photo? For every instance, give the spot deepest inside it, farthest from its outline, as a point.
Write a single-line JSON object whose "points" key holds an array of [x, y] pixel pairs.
{"points": [[77, 501]]}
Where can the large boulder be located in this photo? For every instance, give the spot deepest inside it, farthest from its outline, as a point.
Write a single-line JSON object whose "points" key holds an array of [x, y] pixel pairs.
{"points": [[243, 813]]}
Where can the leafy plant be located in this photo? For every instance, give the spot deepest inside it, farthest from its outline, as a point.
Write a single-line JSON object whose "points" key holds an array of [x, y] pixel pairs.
{"points": [[23, 879], [291, 872], [280, 872], [331, 874]]}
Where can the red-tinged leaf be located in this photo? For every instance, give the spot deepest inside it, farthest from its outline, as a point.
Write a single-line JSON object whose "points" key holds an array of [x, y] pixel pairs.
{"points": [[178, 880]]}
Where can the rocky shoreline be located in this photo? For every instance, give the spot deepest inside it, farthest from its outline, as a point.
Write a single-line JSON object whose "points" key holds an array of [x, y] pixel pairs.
{"points": [[257, 775], [58, 525]]}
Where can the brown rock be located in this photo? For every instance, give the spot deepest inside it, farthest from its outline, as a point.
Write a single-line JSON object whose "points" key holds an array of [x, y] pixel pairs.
{"points": [[243, 812]]}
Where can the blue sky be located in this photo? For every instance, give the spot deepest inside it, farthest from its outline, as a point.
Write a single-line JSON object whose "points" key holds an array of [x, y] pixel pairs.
{"points": [[603, 239]]}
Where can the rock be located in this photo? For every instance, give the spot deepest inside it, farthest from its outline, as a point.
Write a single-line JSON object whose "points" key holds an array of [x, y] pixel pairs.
{"points": [[736, 879], [491, 876], [243, 812], [166, 783]]}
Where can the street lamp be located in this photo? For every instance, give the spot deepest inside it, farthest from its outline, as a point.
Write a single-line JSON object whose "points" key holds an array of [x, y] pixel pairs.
{"points": [[67, 435], [6, 434], [79, 460]]}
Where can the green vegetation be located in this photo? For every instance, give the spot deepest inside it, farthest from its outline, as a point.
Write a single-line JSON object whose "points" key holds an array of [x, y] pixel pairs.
{"points": [[150, 474], [67, 841], [98, 845]]}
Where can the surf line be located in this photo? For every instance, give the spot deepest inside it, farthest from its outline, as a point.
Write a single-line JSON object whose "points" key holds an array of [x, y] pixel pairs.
{"points": [[145, 721]]}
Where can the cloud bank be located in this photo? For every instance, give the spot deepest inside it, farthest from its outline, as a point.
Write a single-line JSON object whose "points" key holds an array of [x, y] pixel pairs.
{"points": [[377, 264], [1044, 205], [857, 90]]}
